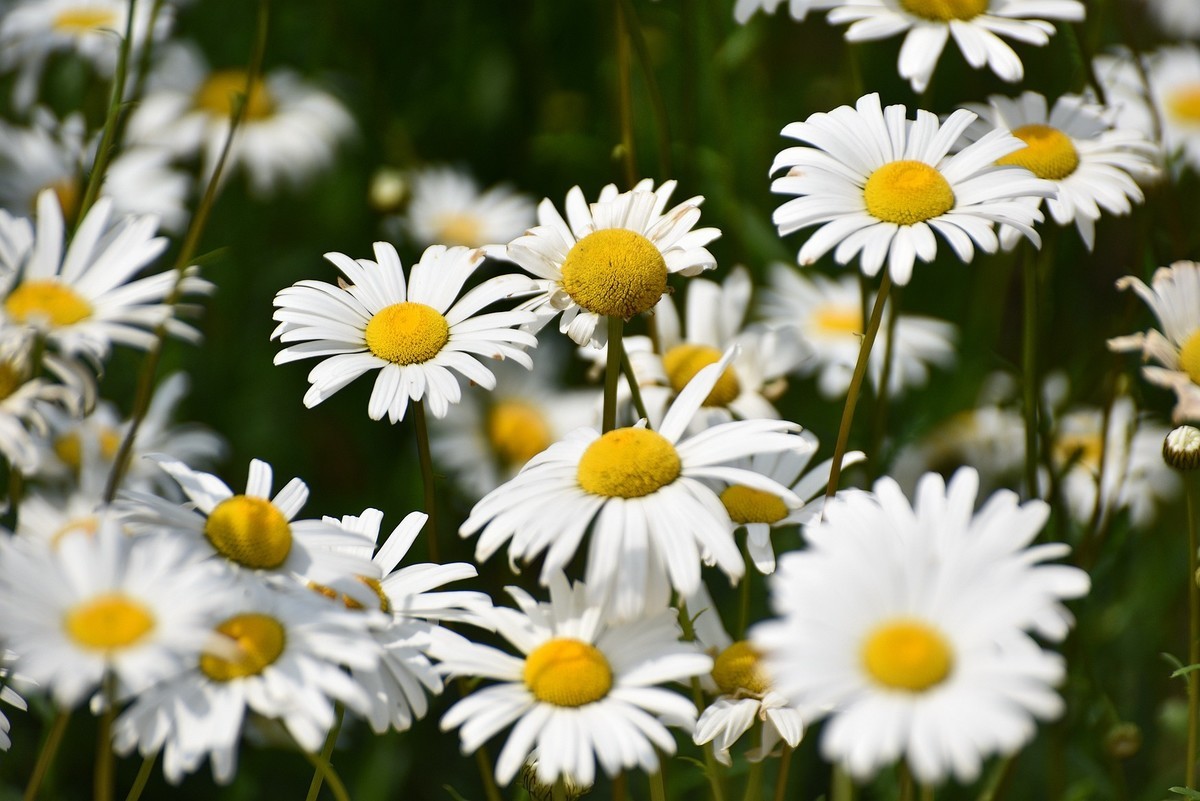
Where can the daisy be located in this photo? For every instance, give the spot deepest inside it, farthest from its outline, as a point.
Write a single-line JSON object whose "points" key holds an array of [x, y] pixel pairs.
{"points": [[413, 332], [1171, 108], [447, 207], [828, 314], [879, 184], [654, 517], [84, 301], [909, 627], [1174, 297], [1091, 163], [136, 608], [252, 530], [25, 402], [582, 689], [976, 25], [1179, 19], [610, 258], [281, 657], [744, 9], [9, 696]]}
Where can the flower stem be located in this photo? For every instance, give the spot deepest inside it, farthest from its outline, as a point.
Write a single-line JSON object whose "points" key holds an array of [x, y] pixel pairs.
{"points": [[1029, 370], [712, 768], [995, 780], [907, 788], [1193, 678], [658, 790], [657, 105], [425, 457], [635, 392], [754, 776], [842, 785], [882, 396], [785, 762], [625, 91], [323, 766], [744, 592], [314, 787], [860, 371], [559, 791], [102, 779], [46, 756], [142, 778], [612, 372]]}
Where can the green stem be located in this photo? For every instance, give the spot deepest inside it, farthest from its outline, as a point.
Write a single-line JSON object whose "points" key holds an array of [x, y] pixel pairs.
{"points": [[625, 91], [744, 593], [926, 792], [658, 790], [314, 787], [635, 392], [712, 768], [856, 381], [907, 788], [785, 762], [46, 756], [1029, 370], [142, 778], [843, 786], [657, 105], [483, 761], [322, 766], [145, 383], [612, 372], [425, 457], [882, 396], [995, 779], [102, 779], [620, 791], [1193, 678], [754, 780]]}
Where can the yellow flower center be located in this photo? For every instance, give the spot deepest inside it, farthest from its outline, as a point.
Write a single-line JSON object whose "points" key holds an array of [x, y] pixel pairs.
{"points": [[738, 670], [1048, 153], [907, 192], [1189, 357], [517, 432], [748, 505], [682, 362], [945, 10], [839, 320], [67, 192], [567, 672], [459, 228], [12, 378], [1079, 449], [77, 21], [907, 654], [407, 333], [87, 526], [49, 301], [1183, 103], [108, 622], [68, 449], [259, 640], [249, 531], [615, 272], [218, 92], [628, 463], [385, 605]]}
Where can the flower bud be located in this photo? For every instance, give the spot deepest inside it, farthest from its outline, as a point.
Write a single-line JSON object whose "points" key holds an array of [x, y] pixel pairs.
{"points": [[1181, 448]]}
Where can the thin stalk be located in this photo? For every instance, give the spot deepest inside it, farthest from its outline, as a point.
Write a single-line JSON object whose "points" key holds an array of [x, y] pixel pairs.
{"points": [[843, 786], [142, 778], [754, 776], [907, 788], [612, 371], [882, 396], [620, 790], [1193, 678], [559, 791], [46, 756], [785, 762], [330, 775], [926, 792], [483, 760], [102, 778], [635, 392], [314, 787], [625, 91], [108, 137], [712, 768], [856, 381], [1029, 373], [425, 457], [995, 779], [658, 106], [145, 383], [658, 790], [744, 593]]}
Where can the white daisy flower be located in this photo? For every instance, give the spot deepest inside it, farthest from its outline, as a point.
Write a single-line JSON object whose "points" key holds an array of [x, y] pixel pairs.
{"points": [[934, 664], [49, 517], [9, 696], [1173, 102], [1179, 19], [1174, 297], [16, 241], [879, 184], [583, 689], [798, 9], [1092, 163], [829, 316], [976, 26], [611, 257], [655, 519], [136, 608], [32, 30], [447, 207], [282, 657], [413, 332], [252, 530], [84, 301], [26, 401]]}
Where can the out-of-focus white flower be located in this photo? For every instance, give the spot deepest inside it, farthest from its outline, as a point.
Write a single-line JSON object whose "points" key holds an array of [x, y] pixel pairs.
{"points": [[447, 207]]}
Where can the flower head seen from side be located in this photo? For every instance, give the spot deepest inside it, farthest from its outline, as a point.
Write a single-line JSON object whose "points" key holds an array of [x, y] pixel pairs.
{"points": [[1092, 164], [643, 495], [447, 207], [880, 185], [416, 332], [935, 664], [610, 258], [25, 404], [583, 688], [975, 25], [1174, 297]]}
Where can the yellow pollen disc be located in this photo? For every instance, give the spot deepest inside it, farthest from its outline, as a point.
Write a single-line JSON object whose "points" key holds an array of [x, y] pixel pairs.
{"points": [[615, 272], [737, 670], [217, 93], [748, 505], [945, 10], [87, 526], [907, 654], [407, 333], [49, 301], [249, 531], [110, 442], [628, 463], [458, 228], [839, 320], [1189, 357], [682, 362], [517, 432], [67, 449], [907, 192], [567, 672], [259, 640], [108, 622], [1079, 449], [82, 20], [1048, 153], [1184, 103], [12, 378]]}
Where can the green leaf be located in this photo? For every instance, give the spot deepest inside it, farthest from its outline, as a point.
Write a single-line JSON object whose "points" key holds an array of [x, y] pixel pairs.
{"points": [[1186, 793], [1172, 660], [457, 796], [1186, 669]]}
